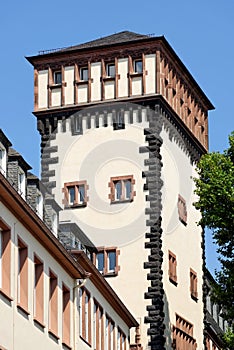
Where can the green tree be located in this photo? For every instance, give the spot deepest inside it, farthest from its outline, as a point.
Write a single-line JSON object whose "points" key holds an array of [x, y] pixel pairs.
{"points": [[215, 190]]}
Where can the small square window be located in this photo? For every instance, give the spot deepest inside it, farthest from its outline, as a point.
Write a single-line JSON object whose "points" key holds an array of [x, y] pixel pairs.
{"points": [[138, 66], [84, 74], [110, 70], [122, 189], [58, 77], [106, 261], [75, 194]]}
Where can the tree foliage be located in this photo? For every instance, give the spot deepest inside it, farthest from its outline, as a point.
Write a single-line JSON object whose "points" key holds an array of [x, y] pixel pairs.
{"points": [[215, 190]]}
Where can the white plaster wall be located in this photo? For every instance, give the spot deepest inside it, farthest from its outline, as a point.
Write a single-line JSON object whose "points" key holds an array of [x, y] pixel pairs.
{"points": [[83, 93], [123, 81], [69, 88], [150, 66], [183, 241], [96, 85], [42, 89], [56, 97], [136, 86], [96, 156], [109, 90], [18, 331]]}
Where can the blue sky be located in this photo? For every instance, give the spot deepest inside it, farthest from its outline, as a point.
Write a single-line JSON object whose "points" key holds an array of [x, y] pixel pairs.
{"points": [[201, 32]]}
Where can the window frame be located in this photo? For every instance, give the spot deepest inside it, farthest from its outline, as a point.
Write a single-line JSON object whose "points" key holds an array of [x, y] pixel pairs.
{"points": [[76, 185], [53, 304], [135, 69], [56, 81], [22, 285], [98, 326], [81, 73], [112, 184], [85, 316], [66, 315], [5, 259], [172, 270], [38, 309], [106, 251], [108, 67], [193, 285]]}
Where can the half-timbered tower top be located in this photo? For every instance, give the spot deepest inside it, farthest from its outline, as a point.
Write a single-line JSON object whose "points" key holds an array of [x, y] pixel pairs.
{"points": [[125, 66]]}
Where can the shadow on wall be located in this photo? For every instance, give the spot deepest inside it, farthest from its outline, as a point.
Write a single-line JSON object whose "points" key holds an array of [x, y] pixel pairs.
{"points": [[168, 325]]}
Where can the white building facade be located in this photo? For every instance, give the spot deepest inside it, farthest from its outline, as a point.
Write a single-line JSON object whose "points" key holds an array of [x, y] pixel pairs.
{"points": [[123, 124]]}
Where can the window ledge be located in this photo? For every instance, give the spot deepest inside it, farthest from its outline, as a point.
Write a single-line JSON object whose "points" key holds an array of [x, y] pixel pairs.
{"points": [[110, 274], [122, 201], [83, 82], [23, 309], [39, 322], [86, 341], [66, 345], [194, 297], [53, 333], [74, 206], [6, 295], [173, 281]]}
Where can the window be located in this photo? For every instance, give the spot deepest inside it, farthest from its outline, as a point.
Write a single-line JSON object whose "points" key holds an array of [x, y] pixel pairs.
{"points": [[110, 70], [53, 304], [138, 66], [21, 182], [109, 334], [121, 340], [22, 275], [183, 335], [182, 209], [85, 315], [66, 315], [5, 259], [172, 267], [98, 327], [193, 284], [38, 290], [122, 189], [75, 194], [58, 77], [2, 160], [107, 261], [39, 205], [84, 73]]}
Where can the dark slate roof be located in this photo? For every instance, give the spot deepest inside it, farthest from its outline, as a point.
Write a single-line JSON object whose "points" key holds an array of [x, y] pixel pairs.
{"points": [[4, 140], [112, 39], [14, 155]]}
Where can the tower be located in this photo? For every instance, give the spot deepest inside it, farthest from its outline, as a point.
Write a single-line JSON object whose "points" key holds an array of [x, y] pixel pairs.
{"points": [[122, 124]]}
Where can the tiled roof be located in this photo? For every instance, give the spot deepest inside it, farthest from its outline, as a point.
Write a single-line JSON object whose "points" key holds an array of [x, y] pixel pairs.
{"points": [[116, 38]]}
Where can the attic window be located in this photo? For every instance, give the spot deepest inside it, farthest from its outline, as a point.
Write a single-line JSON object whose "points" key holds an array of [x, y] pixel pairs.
{"points": [[57, 77], [138, 66]]}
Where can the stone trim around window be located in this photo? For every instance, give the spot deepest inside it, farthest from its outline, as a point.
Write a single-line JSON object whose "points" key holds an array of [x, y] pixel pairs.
{"points": [[121, 189], [104, 253], [182, 209], [75, 194]]}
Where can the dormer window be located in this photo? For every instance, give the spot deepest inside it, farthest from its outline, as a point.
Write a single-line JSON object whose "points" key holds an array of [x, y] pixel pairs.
{"points": [[110, 70], [39, 205], [84, 74], [2, 160], [21, 182], [138, 66], [58, 78]]}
